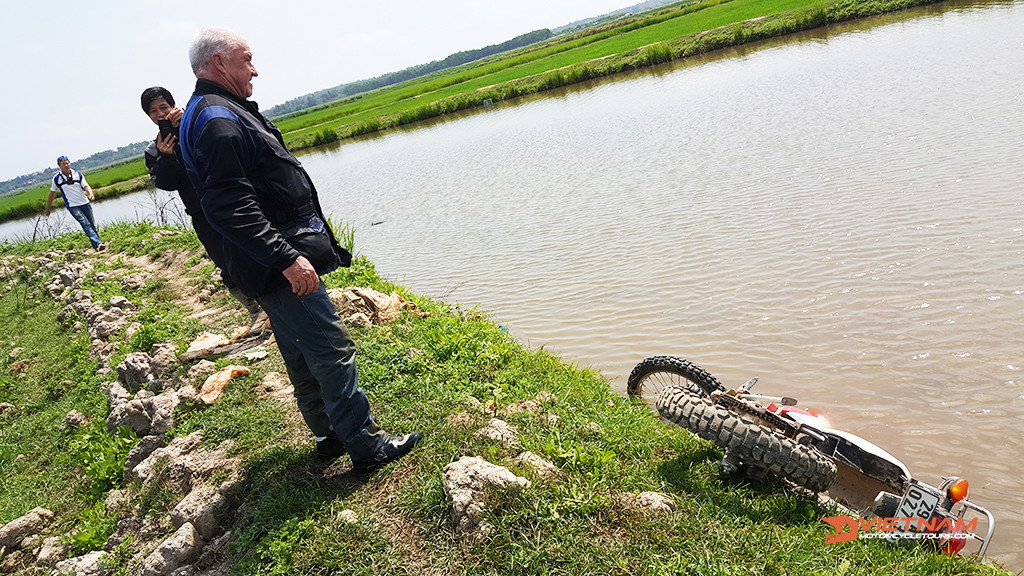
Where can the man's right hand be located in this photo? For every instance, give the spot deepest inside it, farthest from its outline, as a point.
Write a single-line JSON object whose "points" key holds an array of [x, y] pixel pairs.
{"points": [[302, 276]]}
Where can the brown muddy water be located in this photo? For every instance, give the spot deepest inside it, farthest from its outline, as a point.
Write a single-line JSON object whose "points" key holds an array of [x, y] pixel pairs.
{"points": [[840, 213]]}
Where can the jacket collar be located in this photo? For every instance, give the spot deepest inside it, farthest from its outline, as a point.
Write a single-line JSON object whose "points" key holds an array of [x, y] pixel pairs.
{"points": [[204, 87]]}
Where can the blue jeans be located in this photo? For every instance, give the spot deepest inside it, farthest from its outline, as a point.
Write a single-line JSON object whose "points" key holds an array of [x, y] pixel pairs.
{"points": [[83, 214], [321, 360]]}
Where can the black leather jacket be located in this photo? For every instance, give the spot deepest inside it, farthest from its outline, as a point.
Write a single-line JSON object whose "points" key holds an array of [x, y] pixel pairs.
{"points": [[166, 173], [253, 191]]}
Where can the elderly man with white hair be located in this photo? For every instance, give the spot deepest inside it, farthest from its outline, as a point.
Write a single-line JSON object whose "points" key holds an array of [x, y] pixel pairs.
{"points": [[277, 245]]}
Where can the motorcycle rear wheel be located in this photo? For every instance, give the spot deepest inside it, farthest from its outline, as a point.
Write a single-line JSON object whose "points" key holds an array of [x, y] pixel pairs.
{"points": [[752, 443], [656, 373]]}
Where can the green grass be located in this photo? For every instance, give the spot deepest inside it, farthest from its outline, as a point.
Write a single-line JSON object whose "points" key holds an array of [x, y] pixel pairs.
{"points": [[417, 372], [27, 203]]}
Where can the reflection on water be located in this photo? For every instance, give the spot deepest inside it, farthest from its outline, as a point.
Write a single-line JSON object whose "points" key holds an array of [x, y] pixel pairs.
{"points": [[840, 215]]}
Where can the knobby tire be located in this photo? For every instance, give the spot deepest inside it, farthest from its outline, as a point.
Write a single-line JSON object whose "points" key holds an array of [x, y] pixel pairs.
{"points": [[656, 373], [750, 442]]}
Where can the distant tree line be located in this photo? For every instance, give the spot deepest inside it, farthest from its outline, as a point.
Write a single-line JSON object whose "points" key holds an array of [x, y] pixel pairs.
{"points": [[635, 8], [97, 160], [325, 96], [361, 86]]}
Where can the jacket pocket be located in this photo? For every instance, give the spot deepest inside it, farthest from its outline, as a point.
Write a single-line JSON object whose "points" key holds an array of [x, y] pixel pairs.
{"points": [[310, 238]]}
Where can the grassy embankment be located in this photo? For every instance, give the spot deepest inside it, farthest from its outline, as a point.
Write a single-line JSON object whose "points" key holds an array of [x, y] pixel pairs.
{"points": [[674, 32], [417, 371]]}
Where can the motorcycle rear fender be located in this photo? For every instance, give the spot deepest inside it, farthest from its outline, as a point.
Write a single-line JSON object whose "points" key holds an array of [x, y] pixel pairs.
{"points": [[865, 456]]}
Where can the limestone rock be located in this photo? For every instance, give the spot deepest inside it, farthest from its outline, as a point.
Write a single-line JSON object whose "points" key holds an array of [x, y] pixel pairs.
{"points": [[277, 386], [182, 464], [132, 329], [467, 482], [117, 396], [189, 395], [545, 397], [74, 419], [648, 502], [108, 323], [199, 508], [72, 274], [51, 551], [135, 371], [500, 431], [519, 406], [117, 503], [179, 550], [214, 559], [459, 420], [33, 522], [202, 368], [134, 281], [89, 565], [162, 357], [543, 467], [122, 302], [141, 451], [146, 414]]}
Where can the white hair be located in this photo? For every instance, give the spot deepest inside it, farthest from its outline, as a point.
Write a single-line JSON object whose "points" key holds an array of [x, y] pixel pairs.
{"points": [[210, 41]]}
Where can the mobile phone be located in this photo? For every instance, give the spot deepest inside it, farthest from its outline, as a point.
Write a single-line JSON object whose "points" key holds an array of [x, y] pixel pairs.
{"points": [[165, 127]]}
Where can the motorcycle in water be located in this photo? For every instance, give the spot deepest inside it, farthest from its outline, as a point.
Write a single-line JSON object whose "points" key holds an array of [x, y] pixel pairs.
{"points": [[772, 435]]}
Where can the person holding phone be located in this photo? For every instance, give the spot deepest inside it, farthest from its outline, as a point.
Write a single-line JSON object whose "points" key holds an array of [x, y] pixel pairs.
{"points": [[167, 172]]}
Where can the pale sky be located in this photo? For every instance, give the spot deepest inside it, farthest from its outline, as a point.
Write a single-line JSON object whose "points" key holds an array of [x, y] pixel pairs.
{"points": [[72, 72]]}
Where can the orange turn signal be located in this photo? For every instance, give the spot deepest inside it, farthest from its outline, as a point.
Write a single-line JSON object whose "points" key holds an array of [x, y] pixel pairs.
{"points": [[958, 491]]}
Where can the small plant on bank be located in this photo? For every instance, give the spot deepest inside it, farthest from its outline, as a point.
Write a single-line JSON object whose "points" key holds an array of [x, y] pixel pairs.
{"points": [[92, 530], [345, 234], [101, 455], [161, 322]]}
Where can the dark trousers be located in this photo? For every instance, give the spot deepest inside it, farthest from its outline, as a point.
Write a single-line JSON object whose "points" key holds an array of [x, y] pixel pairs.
{"points": [[321, 359]]}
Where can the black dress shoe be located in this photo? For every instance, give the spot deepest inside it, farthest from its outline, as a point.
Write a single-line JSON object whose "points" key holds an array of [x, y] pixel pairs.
{"points": [[393, 448]]}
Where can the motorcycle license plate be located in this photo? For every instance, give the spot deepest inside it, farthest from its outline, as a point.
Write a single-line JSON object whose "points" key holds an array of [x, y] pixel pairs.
{"points": [[917, 503]]}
